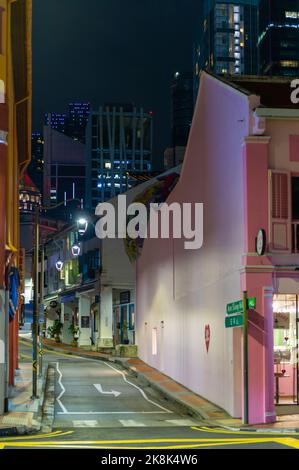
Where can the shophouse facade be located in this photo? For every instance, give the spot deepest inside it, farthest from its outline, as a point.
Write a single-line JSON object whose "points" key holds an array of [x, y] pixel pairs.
{"points": [[242, 163], [15, 130]]}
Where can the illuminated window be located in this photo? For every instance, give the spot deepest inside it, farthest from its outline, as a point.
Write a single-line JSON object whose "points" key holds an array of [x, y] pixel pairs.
{"points": [[108, 165], [289, 63], [292, 14]]}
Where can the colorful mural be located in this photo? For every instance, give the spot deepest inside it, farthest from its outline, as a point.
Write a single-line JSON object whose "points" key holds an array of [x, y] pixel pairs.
{"points": [[154, 194]]}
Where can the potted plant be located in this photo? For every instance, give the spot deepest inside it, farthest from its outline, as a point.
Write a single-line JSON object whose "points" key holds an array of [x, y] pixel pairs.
{"points": [[56, 330], [75, 331]]}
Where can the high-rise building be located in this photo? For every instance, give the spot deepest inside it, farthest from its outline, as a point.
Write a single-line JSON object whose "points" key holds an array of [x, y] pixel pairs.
{"points": [[77, 120], [72, 123], [57, 121], [181, 108], [278, 40], [228, 42], [36, 167], [64, 172], [119, 140]]}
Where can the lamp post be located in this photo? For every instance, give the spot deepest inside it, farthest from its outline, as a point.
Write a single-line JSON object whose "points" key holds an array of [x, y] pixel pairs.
{"points": [[35, 320]]}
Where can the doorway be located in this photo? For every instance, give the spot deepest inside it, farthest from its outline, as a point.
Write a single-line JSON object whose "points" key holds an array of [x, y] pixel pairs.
{"points": [[285, 311]]}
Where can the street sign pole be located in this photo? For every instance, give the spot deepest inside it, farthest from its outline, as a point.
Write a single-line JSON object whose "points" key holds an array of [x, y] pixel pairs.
{"points": [[245, 357], [35, 308]]}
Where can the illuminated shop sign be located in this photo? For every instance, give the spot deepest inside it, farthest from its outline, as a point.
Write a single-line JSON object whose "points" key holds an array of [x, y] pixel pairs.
{"points": [[292, 14]]}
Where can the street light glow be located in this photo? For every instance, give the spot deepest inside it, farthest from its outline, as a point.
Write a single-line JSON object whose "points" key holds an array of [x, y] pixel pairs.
{"points": [[59, 265], [82, 225], [76, 250]]}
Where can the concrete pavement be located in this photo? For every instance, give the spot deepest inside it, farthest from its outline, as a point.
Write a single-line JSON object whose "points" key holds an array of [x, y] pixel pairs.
{"points": [[94, 390]]}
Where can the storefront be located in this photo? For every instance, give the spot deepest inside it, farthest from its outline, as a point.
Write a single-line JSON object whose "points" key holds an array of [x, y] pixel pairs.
{"points": [[123, 318], [286, 317]]}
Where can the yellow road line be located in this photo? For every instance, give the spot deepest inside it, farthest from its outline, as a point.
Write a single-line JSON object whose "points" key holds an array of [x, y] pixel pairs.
{"points": [[289, 442], [26, 356], [226, 431], [38, 436], [57, 353], [93, 445]]}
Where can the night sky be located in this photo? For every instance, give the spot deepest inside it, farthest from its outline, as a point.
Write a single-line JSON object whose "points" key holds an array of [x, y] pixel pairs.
{"points": [[112, 51]]}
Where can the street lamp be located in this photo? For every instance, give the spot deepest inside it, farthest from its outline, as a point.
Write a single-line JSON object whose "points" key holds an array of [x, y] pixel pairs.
{"points": [[82, 227], [76, 249], [59, 264]]}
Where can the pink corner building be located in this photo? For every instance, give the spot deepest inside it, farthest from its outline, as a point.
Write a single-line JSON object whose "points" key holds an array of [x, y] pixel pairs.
{"points": [[242, 163]]}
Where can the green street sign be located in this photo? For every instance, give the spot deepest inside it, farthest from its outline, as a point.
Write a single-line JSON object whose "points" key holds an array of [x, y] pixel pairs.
{"points": [[237, 307], [234, 321], [251, 302], [234, 307]]}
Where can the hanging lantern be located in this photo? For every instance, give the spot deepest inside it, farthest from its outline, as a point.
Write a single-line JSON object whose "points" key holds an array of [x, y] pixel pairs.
{"points": [[82, 225], [76, 250], [59, 265]]}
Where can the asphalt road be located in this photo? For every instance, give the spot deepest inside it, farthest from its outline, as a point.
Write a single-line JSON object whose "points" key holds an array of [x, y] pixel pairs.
{"points": [[98, 405]]}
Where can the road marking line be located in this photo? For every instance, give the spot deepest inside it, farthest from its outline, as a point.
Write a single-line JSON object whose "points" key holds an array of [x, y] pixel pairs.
{"points": [[224, 431], [85, 424], [131, 423], [294, 443], [48, 351], [140, 390], [179, 443], [38, 436], [62, 389], [111, 412], [113, 392], [180, 422]]}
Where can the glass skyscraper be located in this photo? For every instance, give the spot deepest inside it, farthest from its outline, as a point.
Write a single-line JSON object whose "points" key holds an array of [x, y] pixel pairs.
{"points": [[228, 42], [279, 37]]}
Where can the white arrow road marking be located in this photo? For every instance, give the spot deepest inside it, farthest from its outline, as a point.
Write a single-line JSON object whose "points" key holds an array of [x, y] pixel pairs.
{"points": [[113, 392]]}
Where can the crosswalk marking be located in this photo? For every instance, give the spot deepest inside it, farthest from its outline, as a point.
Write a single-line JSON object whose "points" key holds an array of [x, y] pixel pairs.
{"points": [[85, 423], [180, 422], [131, 423]]}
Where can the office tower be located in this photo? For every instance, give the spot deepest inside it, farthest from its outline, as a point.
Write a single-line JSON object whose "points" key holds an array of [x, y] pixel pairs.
{"points": [[119, 140], [228, 41], [77, 120], [64, 172], [57, 121], [278, 40], [36, 166]]}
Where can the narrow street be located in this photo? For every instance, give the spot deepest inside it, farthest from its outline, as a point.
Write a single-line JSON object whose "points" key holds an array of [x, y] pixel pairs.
{"points": [[98, 406]]}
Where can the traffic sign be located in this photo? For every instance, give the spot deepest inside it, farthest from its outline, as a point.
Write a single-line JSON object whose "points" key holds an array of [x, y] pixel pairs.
{"points": [[234, 307], [234, 321], [237, 307]]}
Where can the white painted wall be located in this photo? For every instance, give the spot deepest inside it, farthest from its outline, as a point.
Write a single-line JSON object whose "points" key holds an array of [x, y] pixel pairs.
{"points": [[66, 310], [106, 318], [84, 310], [190, 289]]}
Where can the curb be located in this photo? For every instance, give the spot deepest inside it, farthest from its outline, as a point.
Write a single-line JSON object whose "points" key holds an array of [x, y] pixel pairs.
{"points": [[169, 397], [48, 406]]}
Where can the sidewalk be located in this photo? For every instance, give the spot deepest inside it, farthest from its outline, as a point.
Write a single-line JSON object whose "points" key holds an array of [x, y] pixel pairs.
{"points": [[24, 414]]}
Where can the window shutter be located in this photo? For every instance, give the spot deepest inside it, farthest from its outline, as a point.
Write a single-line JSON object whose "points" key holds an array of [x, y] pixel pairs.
{"points": [[280, 222]]}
